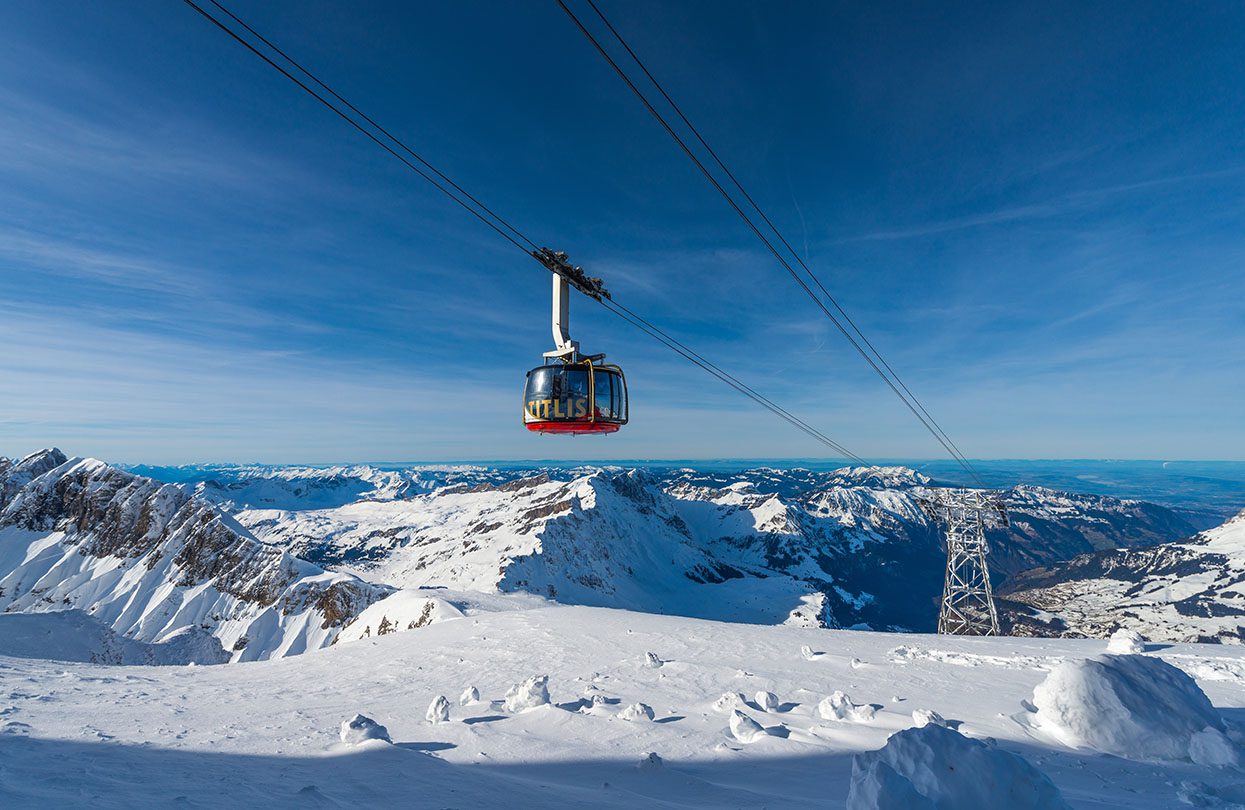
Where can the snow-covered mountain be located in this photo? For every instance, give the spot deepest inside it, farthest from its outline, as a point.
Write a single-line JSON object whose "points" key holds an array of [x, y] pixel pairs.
{"points": [[275, 560], [842, 548], [152, 563], [1186, 591], [599, 539]]}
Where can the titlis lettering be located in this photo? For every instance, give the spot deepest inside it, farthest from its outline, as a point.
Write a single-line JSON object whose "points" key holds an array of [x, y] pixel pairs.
{"points": [[557, 408]]}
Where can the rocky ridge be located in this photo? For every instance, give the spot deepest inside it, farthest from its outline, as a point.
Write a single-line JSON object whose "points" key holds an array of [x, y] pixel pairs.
{"points": [[149, 561]]}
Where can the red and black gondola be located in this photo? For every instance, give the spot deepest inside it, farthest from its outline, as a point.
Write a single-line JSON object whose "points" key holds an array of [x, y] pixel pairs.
{"points": [[576, 398]]}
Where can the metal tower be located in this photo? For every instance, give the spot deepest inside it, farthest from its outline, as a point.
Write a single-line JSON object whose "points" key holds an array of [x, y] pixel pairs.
{"points": [[967, 598]]}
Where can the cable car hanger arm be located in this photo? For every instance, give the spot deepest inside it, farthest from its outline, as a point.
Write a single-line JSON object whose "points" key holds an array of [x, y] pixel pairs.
{"points": [[566, 275], [557, 262]]}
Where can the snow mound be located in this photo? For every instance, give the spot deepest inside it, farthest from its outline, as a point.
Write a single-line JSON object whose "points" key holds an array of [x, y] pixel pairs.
{"points": [[439, 710], [935, 768], [840, 707], [1132, 706], [598, 705], [360, 729], [637, 711], [528, 695], [927, 717], [745, 729], [768, 701], [1126, 642]]}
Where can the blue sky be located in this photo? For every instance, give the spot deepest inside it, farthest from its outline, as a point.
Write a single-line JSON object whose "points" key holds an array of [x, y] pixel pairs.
{"points": [[1036, 212]]}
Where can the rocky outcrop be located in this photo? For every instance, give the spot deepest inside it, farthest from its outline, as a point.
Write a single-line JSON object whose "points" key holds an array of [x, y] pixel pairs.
{"points": [[149, 560]]}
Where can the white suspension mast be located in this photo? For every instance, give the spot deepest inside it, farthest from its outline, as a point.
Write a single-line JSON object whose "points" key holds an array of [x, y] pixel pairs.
{"points": [[563, 346], [565, 276]]}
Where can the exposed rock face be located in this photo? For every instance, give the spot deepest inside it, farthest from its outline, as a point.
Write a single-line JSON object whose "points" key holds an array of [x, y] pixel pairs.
{"points": [[149, 560], [1193, 590]]}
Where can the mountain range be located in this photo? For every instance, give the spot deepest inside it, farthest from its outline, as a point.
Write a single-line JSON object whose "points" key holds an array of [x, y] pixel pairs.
{"points": [[276, 560]]}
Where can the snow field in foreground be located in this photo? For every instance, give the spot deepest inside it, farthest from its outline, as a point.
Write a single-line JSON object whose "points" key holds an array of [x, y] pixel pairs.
{"points": [[128, 737]]}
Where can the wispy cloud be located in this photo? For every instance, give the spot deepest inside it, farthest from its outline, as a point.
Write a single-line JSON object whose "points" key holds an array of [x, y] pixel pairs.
{"points": [[1059, 206], [28, 250]]}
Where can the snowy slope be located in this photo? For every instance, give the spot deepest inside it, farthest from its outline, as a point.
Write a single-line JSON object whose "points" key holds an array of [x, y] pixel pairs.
{"points": [[267, 733], [599, 539], [844, 548], [1191, 590], [148, 561], [71, 635]]}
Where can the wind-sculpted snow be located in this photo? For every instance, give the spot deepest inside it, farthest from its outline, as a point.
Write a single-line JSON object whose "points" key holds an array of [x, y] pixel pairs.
{"points": [[149, 561], [1185, 591], [1132, 706], [932, 767], [843, 548]]}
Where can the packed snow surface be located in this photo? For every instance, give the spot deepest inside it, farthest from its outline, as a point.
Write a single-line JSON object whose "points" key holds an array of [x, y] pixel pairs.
{"points": [[1132, 706], [269, 732]]}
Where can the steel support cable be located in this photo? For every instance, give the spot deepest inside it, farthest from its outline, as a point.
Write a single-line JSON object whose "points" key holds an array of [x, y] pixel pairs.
{"points": [[532, 245], [356, 125], [612, 306], [659, 335], [915, 409], [774, 228]]}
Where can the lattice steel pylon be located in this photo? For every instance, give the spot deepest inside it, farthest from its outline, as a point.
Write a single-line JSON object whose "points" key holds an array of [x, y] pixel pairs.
{"points": [[967, 607]]}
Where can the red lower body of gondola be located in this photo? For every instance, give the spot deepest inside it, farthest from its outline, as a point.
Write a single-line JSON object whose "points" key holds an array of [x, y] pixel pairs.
{"points": [[573, 427]]}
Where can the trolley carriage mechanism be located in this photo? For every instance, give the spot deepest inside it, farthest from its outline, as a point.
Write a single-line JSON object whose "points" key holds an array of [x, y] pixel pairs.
{"points": [[571, 392]]}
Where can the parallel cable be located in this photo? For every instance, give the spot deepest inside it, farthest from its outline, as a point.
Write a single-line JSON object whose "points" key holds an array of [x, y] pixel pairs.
{"points": [[722, 165], [658, 334], [357, 125], [379, 128], [913, 404], [514, 236]]}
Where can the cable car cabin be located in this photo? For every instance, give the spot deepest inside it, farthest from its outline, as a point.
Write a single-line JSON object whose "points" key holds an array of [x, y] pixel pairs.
{"points": [[575, 398]]}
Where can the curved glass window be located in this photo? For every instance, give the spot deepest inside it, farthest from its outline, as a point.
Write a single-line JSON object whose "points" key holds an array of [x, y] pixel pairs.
{"points": [[556, 395], [608, 394]]}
